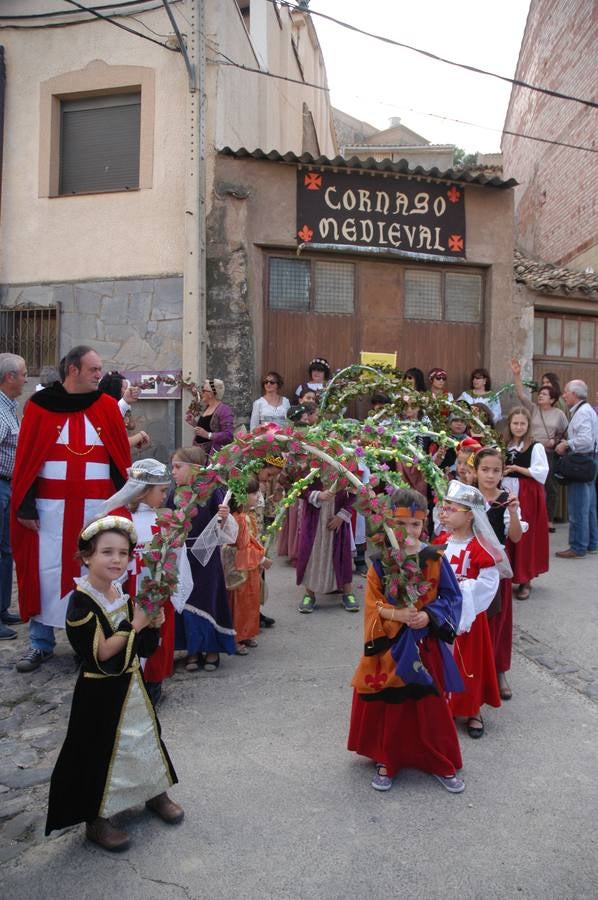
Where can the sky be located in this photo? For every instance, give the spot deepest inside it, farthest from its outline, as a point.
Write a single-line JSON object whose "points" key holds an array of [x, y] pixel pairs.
{"points": [[374, 81]]}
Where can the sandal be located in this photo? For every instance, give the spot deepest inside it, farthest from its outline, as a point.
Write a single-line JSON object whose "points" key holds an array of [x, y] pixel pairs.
{"points": [[241, 650], [192, 663], [503, 686], [211, 665], [381, 782], [523, 592], [475, 731], [250, 643]]}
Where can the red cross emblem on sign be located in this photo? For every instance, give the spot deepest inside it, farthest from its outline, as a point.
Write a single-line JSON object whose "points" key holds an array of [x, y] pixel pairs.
{"points": [[454, 195], [313, 181], [455, 243]]}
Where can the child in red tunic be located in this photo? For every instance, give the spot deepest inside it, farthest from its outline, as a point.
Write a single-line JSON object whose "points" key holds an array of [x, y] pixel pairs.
{"points": [[478, 577], [400, 717], [250, 558]]}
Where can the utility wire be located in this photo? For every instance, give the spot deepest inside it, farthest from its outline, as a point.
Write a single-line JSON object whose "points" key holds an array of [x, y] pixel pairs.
{"points": [[98, 15], [238, 65], [432, 115], [67, 12], [449, 62]]}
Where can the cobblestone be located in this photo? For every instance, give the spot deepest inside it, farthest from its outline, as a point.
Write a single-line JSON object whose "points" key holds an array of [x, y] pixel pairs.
{"points": [[583, 681]]}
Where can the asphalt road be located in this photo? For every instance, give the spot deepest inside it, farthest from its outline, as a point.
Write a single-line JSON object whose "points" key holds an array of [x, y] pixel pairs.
{"points": [[277, 808]]}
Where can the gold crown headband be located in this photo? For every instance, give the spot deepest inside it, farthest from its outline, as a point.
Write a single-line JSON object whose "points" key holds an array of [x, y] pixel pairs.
{"points": [[109, 523], [272, 460]]}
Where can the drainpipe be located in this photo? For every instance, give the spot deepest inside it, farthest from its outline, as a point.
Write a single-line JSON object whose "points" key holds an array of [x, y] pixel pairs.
{"points": [[194, 349]]}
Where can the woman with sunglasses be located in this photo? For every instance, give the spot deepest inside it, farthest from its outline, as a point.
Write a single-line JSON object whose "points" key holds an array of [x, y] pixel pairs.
{"points": [[437, 378], [271, 406]]}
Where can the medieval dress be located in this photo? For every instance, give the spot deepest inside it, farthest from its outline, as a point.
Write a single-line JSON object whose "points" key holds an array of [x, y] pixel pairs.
{"points": [[400, 716], [325, 558], [529, 557], [474, 654], [245, 600], [72, 455], [112, 757], [205, 625]]}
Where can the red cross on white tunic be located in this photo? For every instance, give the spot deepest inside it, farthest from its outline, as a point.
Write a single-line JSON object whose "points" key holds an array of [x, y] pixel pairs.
{"points": [[74, 489], [460, 562]]}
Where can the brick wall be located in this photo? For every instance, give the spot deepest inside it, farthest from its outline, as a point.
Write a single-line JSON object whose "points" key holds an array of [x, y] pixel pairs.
{"points": [[555, 202]]}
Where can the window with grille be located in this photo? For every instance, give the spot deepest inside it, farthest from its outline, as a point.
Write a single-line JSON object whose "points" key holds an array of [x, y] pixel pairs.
{"points": [[100, 143], [334, 288], [30, 332], [423, 295], [571, 337], [297, 285], [443, 296]]}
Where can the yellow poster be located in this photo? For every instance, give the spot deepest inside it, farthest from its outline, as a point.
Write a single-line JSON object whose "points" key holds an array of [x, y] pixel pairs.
{"points": [[378, 359]]}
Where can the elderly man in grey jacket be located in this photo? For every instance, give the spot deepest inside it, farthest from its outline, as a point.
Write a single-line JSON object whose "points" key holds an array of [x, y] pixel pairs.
{"points": [[582, 437]]}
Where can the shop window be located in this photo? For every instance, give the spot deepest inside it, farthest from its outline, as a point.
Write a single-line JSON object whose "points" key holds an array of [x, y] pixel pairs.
{"points": [[99, 143], [327, 288], [586, 340], [539, 337], [334, 288], [553, 337], [443, 296], [568, 337], [289, 284], [423, 295], [462, 297]]}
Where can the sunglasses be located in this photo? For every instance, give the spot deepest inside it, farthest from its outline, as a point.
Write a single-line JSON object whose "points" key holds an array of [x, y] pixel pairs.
{"points": [[439, 377], [453, 509], [270, 381]]}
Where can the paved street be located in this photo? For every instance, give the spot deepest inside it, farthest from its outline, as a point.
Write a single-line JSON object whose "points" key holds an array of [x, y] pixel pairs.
{"points": [[277, 808]]}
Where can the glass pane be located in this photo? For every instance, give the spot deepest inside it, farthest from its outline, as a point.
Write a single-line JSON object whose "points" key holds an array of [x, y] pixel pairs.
{"points": [[334, 288], [462, 297], [422, 295], [288, 286], [570, 342], [553, 337], [586, 340], [538, 337]]}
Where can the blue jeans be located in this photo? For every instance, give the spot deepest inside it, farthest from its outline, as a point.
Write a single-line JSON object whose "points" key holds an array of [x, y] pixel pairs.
{"points": [[5, 554], [583, 521], [41, 636]]}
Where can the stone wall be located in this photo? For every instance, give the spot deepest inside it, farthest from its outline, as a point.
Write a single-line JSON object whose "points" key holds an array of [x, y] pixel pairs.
{"points": [[132, 323]]}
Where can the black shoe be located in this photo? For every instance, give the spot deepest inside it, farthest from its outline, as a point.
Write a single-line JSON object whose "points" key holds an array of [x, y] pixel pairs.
{"points": [[11, 619], [33, 659], [266, 621], [7, 634], [361, 568]]}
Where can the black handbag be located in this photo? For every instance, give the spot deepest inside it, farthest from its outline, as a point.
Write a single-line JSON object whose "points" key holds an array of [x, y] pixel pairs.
{"points": [[574, 467]]}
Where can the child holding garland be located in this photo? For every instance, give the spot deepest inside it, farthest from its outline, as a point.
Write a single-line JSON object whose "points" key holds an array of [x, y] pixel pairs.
{"points": [[112, 757], [400, 717]]}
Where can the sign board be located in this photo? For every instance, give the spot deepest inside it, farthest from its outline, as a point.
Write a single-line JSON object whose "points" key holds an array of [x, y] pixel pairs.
{"points": [[156, 385], [416, 217], [378, 359]]}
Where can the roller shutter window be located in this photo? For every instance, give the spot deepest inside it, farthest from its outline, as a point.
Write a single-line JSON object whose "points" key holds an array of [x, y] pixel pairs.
{"points": [[99, 144]]}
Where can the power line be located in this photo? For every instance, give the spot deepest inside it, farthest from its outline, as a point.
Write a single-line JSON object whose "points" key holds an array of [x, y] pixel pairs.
{"points": [[98, 15], [66, 12], [449, 62], [238, 65], [529, 137]]}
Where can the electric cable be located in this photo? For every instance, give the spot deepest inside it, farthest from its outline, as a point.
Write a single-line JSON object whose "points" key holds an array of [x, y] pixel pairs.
{"points": [[449, 62], [98, 15]]}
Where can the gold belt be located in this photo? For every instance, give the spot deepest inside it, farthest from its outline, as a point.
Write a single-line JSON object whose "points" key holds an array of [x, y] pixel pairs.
{"points": [[128, 671]]}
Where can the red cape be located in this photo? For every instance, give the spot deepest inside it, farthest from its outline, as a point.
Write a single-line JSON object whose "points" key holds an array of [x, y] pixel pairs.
{"points": [[37, 436]]}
